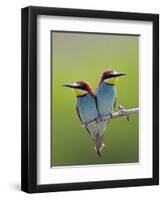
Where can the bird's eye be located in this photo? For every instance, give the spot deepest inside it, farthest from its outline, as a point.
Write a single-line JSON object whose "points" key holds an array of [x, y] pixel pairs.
{"points": [[83, 87]]}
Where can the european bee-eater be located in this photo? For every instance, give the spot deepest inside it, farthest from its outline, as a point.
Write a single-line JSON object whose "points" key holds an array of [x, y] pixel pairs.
{"points": [[106, 95], [87, 110]]}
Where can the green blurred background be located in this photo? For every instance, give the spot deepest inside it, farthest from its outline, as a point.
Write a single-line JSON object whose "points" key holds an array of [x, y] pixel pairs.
{"points": [[77, 56]]}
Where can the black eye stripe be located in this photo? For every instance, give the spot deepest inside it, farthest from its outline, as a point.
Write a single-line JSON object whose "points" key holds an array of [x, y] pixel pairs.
{"points": [[110, 75], [82, 87]]}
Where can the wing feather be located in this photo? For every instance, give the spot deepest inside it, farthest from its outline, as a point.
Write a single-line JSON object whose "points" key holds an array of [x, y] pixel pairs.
{"points": [[77, 111]]}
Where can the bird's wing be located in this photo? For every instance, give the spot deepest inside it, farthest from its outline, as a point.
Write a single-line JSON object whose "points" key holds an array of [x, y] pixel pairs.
{"points": [[77, 110], [96, 102]]}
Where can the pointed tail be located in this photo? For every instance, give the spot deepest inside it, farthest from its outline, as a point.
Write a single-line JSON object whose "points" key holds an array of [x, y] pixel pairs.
{"points": [[99, 137], [99, 144]]}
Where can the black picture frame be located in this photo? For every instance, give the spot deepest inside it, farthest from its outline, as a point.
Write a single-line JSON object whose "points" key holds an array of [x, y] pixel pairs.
{"points": [[29, 98]]}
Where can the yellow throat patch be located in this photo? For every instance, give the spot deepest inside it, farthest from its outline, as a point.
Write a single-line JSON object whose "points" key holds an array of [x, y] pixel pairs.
{"points": [[112, 81], [79, 92]]}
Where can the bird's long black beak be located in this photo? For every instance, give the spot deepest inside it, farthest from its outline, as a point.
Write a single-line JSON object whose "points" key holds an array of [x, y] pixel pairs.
{"points": [[119, 74], [70, 85]]}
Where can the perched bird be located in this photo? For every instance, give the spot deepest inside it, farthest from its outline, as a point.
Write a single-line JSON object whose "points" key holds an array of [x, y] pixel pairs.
{"points": [[106, 95], [87, 110]]}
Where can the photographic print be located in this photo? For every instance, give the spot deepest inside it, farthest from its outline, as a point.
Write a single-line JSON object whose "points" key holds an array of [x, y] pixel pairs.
{"points": [[90, 99], [94, 98]]}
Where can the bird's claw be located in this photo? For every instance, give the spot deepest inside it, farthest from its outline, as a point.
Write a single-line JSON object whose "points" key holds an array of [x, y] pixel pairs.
{"points": [[105, 117], [97, 120]]}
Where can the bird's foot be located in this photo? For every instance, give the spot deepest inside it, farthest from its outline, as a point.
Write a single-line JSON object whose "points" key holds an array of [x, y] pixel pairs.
{"points": [[97, 120], [106, 117]]}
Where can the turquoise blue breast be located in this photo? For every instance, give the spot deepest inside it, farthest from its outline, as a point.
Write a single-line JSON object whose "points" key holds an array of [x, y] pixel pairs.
{"points": [[106, 96], [87, 108]]}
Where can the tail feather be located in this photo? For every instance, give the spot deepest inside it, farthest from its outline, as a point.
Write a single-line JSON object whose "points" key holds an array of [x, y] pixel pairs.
{"points": [[99, 144], [98, 153], [97, 133]]}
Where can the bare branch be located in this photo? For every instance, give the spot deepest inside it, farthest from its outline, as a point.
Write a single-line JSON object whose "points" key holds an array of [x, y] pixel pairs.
{"points": [[122, 112]]}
